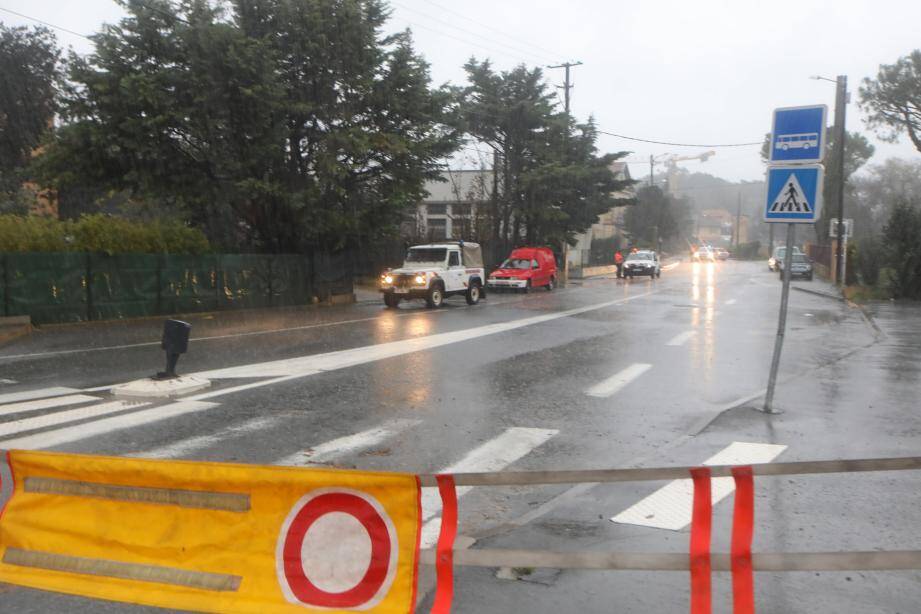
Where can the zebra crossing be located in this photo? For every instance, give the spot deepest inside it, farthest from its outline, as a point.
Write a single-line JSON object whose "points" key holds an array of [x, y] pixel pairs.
{"points": [[64, 416]]}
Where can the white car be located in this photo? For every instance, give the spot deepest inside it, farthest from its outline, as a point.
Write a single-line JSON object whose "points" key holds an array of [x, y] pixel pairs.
{"points": [[644, 262], [776, 259], [434, 272], [705, 253]]}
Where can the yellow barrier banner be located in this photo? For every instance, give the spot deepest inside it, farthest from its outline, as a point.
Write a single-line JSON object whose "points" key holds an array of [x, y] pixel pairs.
{"points": [[211, 537]]}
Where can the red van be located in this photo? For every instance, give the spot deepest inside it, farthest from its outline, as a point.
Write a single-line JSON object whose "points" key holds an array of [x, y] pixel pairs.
{"points": [[525, 268]]}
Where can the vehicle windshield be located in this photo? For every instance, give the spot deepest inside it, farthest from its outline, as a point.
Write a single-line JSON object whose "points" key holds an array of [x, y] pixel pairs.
{"points": [[516, 263], [799, 258], [426, 254], [640, 256]]}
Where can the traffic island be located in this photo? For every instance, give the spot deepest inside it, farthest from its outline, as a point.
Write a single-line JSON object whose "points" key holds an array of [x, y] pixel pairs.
{"points": [[161, 388]]}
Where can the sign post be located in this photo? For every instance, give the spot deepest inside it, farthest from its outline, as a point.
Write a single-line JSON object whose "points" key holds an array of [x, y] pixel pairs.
{"points": [[794, 196]]}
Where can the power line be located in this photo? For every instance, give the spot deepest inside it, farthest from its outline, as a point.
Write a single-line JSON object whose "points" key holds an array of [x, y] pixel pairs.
{"points": [[633, 138], [467, 42], [45, 23], [488, 39], [496, 30]]}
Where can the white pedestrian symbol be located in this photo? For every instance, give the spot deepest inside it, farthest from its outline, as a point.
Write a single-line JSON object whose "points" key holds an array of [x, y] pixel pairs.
{"points": [[791, 198]]}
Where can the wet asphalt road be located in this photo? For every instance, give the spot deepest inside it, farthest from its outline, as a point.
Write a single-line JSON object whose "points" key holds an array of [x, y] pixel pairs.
{"points": [[693, 347]]}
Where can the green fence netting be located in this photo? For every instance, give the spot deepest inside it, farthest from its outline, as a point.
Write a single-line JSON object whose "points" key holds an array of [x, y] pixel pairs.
{"points": [[123, 286], [49, 287], [70, 287]]}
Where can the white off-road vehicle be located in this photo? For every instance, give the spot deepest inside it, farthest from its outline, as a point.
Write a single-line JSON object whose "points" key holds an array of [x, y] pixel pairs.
{"points": [[436, 271]]}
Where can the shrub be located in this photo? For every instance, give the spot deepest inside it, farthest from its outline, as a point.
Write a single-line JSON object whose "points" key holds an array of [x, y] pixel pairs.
{"points": [[99, 234], [903, 254], [869, 261]]}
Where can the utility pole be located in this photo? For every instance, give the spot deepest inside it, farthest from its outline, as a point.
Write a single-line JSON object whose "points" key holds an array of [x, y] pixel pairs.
{"points": [[738, 220], [840, 142], [651, 163], [567, 85]]}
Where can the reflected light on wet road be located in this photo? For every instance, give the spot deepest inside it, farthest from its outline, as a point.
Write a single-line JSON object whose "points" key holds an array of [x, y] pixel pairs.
{"points": [[388, 376], [695, 282]]}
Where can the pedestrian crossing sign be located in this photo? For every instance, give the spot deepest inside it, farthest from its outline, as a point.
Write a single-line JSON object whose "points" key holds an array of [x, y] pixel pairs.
{"points": [[794, 193]]}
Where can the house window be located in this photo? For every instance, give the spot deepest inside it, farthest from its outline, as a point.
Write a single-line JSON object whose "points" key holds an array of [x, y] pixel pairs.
{"points": [[438, 228], [460, 210], [437, 209]]}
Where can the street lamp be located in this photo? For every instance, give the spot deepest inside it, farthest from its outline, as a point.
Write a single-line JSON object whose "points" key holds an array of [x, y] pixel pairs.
{"points": [[841, 99]]}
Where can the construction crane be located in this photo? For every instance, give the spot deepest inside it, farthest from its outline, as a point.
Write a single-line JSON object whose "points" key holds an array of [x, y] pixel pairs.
{"points": [[671, 165]]}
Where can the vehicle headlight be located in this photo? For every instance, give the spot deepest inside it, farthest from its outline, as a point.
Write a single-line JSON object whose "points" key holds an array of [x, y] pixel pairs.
{"points": [[420, 279], [388, 279]]}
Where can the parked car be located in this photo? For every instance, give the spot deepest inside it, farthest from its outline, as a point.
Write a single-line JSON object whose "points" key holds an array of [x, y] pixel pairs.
{"points": [[722, 253], [525, 268], [645, 262], [704, 253], [778, 256], [800, 267], [435, 272]]}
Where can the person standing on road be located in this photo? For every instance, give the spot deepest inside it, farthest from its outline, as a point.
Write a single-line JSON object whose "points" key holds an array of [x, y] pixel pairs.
{"points": [[619, 263]]}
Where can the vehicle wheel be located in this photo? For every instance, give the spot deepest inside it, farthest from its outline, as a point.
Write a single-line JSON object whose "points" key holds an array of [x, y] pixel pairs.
{"points": [[527, 287], [809, 278], [473, 294], [436, 296], [551, 284], [658, 274], [391, 301]]}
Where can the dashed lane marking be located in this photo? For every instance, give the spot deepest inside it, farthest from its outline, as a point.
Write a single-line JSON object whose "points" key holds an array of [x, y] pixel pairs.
{"points": [[494, 455], [670, 506], [63, 417], [731, 301], [185, 447], [40, 393], [682, 338], [348, 444], [78, 432], [616, 382], [23, 406]]}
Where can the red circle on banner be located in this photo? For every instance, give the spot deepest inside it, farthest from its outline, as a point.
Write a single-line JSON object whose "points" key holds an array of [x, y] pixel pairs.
{"points": [[371, 518]]}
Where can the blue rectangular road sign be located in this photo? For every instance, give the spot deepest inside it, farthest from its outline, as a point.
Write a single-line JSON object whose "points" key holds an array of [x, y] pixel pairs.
{"points": [[794, 193], [798, 134]]}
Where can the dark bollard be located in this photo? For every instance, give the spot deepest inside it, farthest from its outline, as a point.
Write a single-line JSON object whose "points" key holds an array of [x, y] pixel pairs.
{"points": [[175, 342]]}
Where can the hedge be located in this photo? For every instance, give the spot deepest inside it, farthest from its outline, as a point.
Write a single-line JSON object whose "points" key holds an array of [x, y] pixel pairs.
{"points": [[99, 233]]}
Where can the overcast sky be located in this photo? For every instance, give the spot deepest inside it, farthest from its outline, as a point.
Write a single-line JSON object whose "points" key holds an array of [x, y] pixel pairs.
{"points": [[679, 71]]}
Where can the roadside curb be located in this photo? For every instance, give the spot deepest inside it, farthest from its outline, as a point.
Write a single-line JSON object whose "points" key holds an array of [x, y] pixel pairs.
{"points": [[819, 293], [14, 327]]}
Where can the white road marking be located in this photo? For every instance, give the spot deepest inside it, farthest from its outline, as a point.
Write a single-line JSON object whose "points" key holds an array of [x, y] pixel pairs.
{"points": [[41, 393], [274, 331], [494, 455], [7, 382], [670, 506], [309, 365], [682, 338], [617, 381], [669, 267], [184, 447], [71, 434], [347, 444], [731, 301], [63, 417], [73, 399]]}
